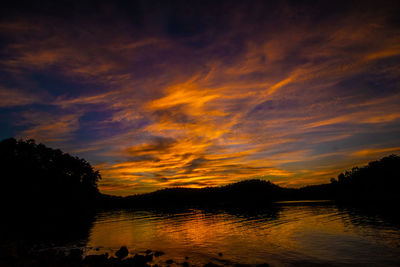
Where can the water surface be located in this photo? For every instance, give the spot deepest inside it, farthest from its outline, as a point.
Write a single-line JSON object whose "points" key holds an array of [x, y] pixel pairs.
{"points": [[290, 234]]}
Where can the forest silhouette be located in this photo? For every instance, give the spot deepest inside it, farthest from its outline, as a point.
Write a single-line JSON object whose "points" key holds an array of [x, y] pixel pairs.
{"points": [[373, 185], [35, 176], [41, 179], [46, 193]]}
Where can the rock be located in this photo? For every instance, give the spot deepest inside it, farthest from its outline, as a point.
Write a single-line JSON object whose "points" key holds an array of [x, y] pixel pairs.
{"points": [[148, 251], [113, 261], [129, 262], [158, 253], [148, 257], [169, 261], [262, 265], [141, 260], [185, 264], [122, 252], [220, 254]]}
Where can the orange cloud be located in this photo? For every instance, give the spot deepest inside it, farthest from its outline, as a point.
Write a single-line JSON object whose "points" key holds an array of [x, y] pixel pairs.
{"points": [[13, 97], [376, 151], [287, 100], [49, 127]]}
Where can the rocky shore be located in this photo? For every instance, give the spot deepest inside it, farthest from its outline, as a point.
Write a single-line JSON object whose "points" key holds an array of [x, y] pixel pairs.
{"points": [[75, 257]]}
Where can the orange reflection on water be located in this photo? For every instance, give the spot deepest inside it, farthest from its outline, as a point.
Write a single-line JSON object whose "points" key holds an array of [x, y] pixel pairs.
{"points": [[288, 234]]}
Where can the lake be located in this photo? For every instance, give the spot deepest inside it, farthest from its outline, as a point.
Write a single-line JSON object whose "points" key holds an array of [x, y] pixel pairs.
{"points": [[311, 233]]}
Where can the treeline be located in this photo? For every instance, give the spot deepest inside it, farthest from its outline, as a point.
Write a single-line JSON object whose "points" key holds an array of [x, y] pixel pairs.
{"points": [[46, 194], [36, 177], [376, 183], [248, 193]]}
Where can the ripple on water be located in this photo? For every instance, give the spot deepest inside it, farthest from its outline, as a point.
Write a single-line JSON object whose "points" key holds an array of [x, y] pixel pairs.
{"points": [[289, 234]]}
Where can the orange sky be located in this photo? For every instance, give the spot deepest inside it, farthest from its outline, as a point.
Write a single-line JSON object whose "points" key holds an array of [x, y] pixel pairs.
{"points": [[160, 95]]}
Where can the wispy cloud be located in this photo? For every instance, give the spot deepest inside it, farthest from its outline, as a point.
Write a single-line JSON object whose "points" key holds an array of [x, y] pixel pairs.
{"points": [[294, 97], [14, 98], [47, 127]]}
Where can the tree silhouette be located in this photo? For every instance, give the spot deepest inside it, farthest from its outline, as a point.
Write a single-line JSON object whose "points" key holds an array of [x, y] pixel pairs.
{"points": [[35, 176], [379, 180]]}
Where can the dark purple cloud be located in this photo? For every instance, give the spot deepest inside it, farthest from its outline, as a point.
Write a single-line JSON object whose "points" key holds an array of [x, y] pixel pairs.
{"points": [[158, 93]]}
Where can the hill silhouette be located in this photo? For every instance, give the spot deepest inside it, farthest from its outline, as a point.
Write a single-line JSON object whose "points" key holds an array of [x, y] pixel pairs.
{"points": [[249, 193], [376, 183], [38, 178]]}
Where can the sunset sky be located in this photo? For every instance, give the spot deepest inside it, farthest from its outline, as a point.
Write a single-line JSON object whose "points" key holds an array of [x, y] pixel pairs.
{"points": [[158, 94]]}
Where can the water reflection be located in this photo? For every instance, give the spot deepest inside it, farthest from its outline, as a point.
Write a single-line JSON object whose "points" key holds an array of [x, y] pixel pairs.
{"points": [[287, 234]]}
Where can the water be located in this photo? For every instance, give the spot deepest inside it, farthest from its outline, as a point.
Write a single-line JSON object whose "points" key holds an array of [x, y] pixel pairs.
{"points": [[291, 234]]}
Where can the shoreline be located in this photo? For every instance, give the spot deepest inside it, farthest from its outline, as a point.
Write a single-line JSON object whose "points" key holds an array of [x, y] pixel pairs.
{"points": [[21, 255]]}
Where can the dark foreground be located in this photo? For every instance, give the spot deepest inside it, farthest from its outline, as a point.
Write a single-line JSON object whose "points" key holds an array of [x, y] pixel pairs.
{"points": [[23, 256], [53, 195]]}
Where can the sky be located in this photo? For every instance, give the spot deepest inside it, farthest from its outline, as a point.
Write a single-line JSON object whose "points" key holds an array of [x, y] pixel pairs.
{"points": [[159, 94]]}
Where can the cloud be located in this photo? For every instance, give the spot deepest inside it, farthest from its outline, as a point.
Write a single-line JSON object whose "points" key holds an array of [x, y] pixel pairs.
{"points": [[157, 145], [15, 98], [47, 127], [376, 151], [292, 95]]}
